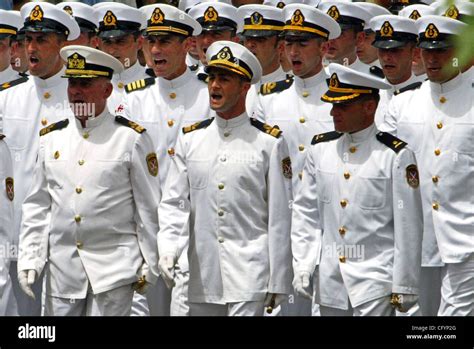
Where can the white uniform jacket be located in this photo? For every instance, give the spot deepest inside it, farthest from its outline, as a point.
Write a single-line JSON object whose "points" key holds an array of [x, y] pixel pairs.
{"points": [[231, 181], [119, 81], [9, 74], [358, 215], [6, 211], [94, 198], [252, 95], [386, 96], [24, 110], [299, 112], [438, 122], [163, 107]]}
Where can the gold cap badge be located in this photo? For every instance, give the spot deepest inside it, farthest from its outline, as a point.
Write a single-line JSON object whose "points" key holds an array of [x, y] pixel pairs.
{"points": [[36, 14], [414, 15], [157, 16], [68, 9], [452, 12], [386, 30], [333, 12], [334, 81], [211, 15], [76, 61], [225, 54], [431, 31], [256, 18], [297, 18], [110, 20]]}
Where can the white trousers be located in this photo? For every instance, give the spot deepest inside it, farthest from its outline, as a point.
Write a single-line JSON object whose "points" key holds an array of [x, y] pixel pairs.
{"points": [[430, 293], [228, 309], [155, 303], [377, 307], [139, 305], [116, 302], [457, 289], [294, 305], [27, 306], [8, 306], [179, 294]]}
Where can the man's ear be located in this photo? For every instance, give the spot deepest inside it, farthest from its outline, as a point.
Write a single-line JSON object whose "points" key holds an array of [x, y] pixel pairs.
{"points": [[235, 38], [95, 42], [324, 48], [416, 54], [187, 44], [360, 36], [108, 89], [245, 86], [370, 106], [281, 47], [139, 42]]}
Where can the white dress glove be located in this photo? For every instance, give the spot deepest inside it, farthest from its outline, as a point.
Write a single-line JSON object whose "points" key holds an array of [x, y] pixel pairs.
{"points": [[302, 285], [26, 278], [166, 267], [403, 302]]}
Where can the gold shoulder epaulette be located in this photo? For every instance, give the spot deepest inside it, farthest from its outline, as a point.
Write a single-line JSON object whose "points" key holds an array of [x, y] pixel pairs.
{"points": [[129, 123], [391, 141], [139, 84], [325, 137], [9, 84], [271, 130], [197, 125], [53, 127], [276, 86], [410, 87]]}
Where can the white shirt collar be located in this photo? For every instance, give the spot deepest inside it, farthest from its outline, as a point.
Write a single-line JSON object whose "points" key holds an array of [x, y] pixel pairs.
{"points": [[234, 122], [448, 86], [176, 82], [412, 79], [361, 136], [52, 81], [94, 122], [312, 81]]}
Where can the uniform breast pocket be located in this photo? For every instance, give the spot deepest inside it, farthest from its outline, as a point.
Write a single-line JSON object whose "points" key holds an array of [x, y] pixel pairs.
{"points": [[17, 131], [412, 133], [462, 137], [198, 173], [325, 185], [111, 173], [371, 193]]}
